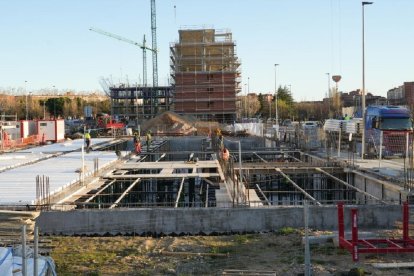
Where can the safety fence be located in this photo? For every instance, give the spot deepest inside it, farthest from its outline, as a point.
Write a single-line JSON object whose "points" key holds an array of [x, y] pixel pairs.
{"points": [[7, 144]]}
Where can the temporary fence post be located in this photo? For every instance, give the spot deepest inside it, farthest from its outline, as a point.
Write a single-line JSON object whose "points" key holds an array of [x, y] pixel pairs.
{"points": [[380, 148], [82, 171], [407, 136], [354, 215], [24, 261], [36, 251], [339, 142], [307, 249]]}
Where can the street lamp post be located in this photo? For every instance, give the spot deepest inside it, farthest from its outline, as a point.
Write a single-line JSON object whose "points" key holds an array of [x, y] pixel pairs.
{"points": [[276, 110], [25, 92], [245, 101], [329, 95], [54, 103], [136, 105], [363, 78]]}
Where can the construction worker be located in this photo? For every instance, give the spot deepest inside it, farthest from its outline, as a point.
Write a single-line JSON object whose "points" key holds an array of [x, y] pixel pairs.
{"points": [[225, 156], [136, 137], [148, 140], [87, 140], [138, 146]]}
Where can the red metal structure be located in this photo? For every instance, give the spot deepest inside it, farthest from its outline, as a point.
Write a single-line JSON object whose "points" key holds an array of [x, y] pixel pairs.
{"points": [[378, 246], [107, 124]]}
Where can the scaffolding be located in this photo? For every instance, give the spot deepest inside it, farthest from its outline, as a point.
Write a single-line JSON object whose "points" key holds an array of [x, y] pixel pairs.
{"points": [[205, 72], [135, 104]]}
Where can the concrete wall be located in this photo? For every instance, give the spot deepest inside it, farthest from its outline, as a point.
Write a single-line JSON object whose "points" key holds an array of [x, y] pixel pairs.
{"points": [[380, 189], [247, 143], [192, 143], [212, 220]]}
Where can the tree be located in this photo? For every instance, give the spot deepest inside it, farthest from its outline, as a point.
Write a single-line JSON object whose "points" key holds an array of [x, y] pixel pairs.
{"points": [[55, 106], [253, 105], [285, 103]]}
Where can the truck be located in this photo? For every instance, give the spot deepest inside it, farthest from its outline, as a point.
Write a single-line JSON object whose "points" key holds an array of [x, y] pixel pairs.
{"points": [[395, 123]]}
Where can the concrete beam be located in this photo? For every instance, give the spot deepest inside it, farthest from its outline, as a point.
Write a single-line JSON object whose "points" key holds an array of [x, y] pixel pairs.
{"points": [[124, 193], [100, 191], [349, 185], [260, 157], [179, 193], [298, 188], [171, 176]]}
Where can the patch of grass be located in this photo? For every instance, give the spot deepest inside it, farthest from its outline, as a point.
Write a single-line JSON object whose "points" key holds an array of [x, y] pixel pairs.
{"points": [[218, 250], [300, 259], [320, 262], [286, 231], [242, 239]]}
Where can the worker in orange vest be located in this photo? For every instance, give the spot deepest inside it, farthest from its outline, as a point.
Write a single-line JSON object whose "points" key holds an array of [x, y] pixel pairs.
{"points": [[138, 146], [226, 154]]}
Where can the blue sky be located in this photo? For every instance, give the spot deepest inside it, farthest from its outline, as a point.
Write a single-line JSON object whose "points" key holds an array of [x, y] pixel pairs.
{"points": [[48, 43]]}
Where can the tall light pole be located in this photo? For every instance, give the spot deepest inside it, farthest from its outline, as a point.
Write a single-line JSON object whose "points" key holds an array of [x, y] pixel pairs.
{"points": [[54, 103], [329, 95], [248, 90], [363, 77], [25, 92], [44, 109], [136, 105], [276, 111], [245, 100]]}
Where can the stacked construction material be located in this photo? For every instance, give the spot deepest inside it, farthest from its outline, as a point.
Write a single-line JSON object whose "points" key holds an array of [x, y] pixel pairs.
{"points": [[346, 126], [354, 126], [333, 125]]}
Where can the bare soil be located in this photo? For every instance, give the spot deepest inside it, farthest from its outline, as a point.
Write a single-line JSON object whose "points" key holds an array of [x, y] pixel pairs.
{"points": [[281, 253]]}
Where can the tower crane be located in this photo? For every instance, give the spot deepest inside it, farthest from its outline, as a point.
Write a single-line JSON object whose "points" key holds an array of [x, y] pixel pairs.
{"points": [[142, 46], [154, 44]]}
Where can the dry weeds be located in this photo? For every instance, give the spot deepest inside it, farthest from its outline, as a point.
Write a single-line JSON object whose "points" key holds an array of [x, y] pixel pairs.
{"points": [[280, 252]]}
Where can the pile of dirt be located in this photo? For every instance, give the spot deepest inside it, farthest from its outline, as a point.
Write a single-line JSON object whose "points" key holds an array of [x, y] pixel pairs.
{"points": [[205, 128], [170, 123]]}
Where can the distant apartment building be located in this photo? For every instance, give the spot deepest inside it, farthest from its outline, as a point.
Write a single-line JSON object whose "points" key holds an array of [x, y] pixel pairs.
{"points": [[396, 95], [409, 93], [206, 76], [402, 95], [135, 104]]}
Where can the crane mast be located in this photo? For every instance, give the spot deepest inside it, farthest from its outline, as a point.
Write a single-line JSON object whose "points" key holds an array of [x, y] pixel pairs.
{"points": [[144, 63], [154, 45]]}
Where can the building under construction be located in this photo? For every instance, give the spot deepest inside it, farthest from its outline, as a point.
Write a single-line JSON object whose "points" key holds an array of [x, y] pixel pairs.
{"points": [[139, 103], [205, 70]]}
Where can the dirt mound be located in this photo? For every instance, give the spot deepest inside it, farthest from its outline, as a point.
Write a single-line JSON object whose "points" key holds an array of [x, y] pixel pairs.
{"points": [[204, 128], [169, 123]]}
